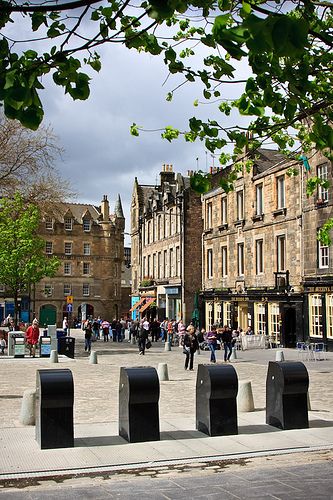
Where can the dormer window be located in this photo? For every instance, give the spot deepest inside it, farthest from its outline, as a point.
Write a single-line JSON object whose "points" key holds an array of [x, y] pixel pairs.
{"points": [[68, 224], [86, 224], [49, 223]]}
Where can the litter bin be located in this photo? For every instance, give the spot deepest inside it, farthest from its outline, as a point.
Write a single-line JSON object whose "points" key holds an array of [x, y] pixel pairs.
{"points": [[66, 346], [287, 386], [19, 346], [139, 392], [216, 406], [54, 409], [11, 341], [45, 346]]}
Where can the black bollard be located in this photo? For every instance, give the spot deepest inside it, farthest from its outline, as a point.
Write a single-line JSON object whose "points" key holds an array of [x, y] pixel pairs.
{"points": [[139, 392], [66, 346], [216, 406], [54, 409], [287, 385]]}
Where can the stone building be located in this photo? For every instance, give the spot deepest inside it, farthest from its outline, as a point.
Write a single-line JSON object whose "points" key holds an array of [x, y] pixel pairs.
{"points": [[89, 241], [260, 252], [166, 230]]}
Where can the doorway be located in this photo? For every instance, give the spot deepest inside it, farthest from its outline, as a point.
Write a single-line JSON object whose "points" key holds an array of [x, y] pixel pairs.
{"points": [[290, 327]]}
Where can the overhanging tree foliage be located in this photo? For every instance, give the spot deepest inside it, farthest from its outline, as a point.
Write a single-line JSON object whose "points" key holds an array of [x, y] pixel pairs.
{"points": [[287, 46], [22, 252]]}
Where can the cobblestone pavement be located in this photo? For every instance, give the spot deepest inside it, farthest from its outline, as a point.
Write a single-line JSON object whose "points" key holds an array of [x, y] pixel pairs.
{"points": [[296, 476]]}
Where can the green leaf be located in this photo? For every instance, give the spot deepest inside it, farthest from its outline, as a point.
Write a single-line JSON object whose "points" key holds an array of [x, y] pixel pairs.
{"points": [[134, 130], [37, 19]]}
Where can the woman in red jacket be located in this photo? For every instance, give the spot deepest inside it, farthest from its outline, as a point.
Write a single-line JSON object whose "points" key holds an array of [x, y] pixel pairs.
{"points": [[32, 337]]}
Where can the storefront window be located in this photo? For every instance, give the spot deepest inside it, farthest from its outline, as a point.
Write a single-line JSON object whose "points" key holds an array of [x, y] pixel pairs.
{"points": [[274, 317], [209, 316], [260, 319], [227, 313], [218, 311], [329, 315], [315, 319]]}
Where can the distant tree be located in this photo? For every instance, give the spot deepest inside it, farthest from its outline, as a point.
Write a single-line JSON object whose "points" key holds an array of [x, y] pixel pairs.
{"points": [[23, 261], [27, 165]]}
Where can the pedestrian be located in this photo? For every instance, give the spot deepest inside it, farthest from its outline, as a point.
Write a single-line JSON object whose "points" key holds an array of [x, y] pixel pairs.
{"points": [[181, 328], [2, 344], [170, 331], [119, 330], [65, 325], [123, 323], [211, 339], [32, 337], [113, 330], [95, 329], [143, 337], [164, 329], [190, 346], [155, 330], [226, 338], [87, 335], [105, 330]]}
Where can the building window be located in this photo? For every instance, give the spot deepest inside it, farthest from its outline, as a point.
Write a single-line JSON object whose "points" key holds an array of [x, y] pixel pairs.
{"points": [[240, 259], [260, 319], [86, 249], [149, 232], [323, 255], [322, 174], [274, 321], [48, 290], [227, 313], [86, 289], [159, 227], [172, 264], [68, 223], [86, 268], [49, 223], [329, 315], [172, 221], [177, 261], [224, 252], [280, 191], [209, 263], [209, 317], [68, 248], [144, 264], [165, 264], [67, 268], [259, 200], [159, 265], [67, 289], [49, 247], [149, 265], [218, 313], [86, 224], [240, 205], [315, 313], [281, 253], [209, 215], [259, 256], [154, 266], [224, 210]]}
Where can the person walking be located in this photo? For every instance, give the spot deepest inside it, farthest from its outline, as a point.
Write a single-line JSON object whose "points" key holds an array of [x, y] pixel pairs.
{"points": [[2, 344], [226, 338], [32, 337], [87, 335], [143, 337], [190, 346], [181, 328], [211, 339], [155, 330], [65, 325]]}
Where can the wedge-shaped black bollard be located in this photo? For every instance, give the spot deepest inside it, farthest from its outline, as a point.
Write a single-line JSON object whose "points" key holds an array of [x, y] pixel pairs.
{"points": [[287, 385], [139, 392], [216, 407], [54, 409]]}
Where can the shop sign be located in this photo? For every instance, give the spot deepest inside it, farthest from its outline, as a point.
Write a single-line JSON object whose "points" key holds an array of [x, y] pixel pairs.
{"points": [[172, 291]]}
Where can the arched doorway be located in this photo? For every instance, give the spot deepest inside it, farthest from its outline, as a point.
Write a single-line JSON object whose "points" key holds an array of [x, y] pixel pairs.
{"points": [[85, 311], [47, 315], [290, 327]]}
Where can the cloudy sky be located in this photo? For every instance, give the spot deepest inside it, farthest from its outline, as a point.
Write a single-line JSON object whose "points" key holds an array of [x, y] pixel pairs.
{"points": [[101, 157]]}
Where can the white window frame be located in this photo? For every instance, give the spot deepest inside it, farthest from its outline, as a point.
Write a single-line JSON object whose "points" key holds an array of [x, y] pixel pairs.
{"points": [[68, 223], [67, 289], [67, 269], [86, 249], [224, 210], [240, 259], [260, 318], [274, 320], [259, 253], [86, 225], [86, 268], [177, 261], [49, 223], [240, 204], [316, 315], [224, 259], [68, 248], [323, 255], [209, 263], [281, 264], [209, 215], [329, 315], [322, 173], [49, 247], [280, 192], [86, 289], [227, 313], [259, 199]]}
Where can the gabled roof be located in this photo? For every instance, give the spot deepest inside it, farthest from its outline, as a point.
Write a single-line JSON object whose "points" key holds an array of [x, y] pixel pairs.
{"points": [[268, 158]]}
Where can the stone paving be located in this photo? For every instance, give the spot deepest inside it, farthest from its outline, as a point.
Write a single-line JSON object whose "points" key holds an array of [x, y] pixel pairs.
{"points": [[304, 475]]}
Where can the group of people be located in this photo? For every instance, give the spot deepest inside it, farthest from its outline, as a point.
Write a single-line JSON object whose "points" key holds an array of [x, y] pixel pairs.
{"points": [[96, 329]]}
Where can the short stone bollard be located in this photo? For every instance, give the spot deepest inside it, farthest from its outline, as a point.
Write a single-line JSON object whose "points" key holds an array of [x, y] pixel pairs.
{"points": [[27, 415], [245, 397], [162, 372], [233, 354], [167, 346], [93, 358], [279, 356], [54, 357]]}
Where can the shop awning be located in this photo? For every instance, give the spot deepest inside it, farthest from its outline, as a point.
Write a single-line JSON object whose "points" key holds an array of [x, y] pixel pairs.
{"points": [[147, 304], [137, 304]]}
